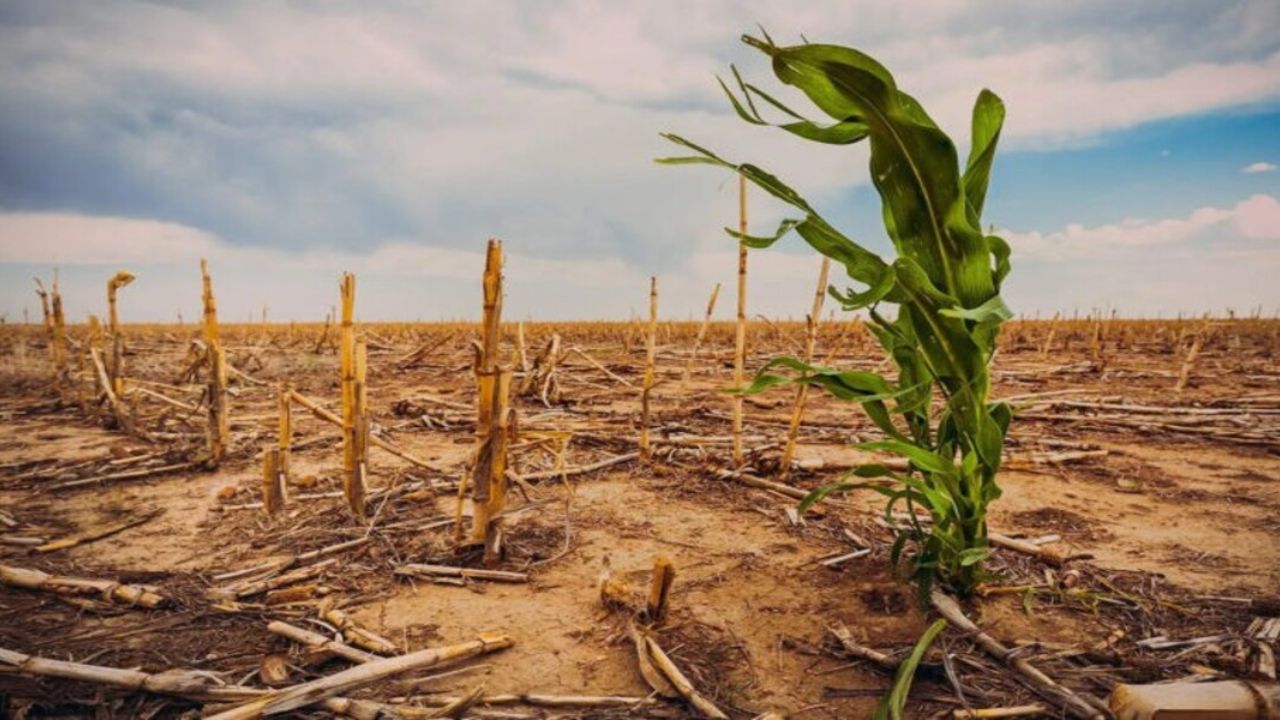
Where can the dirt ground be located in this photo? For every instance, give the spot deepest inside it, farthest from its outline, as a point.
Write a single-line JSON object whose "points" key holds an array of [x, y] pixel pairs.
{"points": [[1169, 502]]}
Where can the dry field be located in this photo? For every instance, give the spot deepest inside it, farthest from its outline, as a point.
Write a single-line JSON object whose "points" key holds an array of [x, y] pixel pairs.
{"points": [[1149, 512]]}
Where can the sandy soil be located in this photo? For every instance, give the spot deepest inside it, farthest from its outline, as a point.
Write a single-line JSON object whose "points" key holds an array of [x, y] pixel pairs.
{"points": [[1189, 514]]}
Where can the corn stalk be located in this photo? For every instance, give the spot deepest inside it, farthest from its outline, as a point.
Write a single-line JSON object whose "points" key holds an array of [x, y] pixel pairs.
{"points": [[218, 433], [494, 417], [650, 346], [116, 368], [702, 333], [59, 345], [944, 281], [352, 364], [802, 390]]}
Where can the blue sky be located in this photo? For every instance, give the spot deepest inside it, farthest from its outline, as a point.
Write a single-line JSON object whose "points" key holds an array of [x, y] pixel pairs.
{"points": [[288, 142]]}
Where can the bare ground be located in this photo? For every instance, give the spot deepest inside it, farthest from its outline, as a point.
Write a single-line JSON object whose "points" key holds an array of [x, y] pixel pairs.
{"points": [[1172, 519]]}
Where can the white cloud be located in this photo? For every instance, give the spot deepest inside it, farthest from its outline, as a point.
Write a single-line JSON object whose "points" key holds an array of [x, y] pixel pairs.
{"points": [[1256, 218], [67, 239], [404, 279], [1064, 93], [1208, 259], [1258, 167]]}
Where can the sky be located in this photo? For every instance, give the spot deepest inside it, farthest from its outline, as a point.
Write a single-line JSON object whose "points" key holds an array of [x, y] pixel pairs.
{"points": [[289, 142]]}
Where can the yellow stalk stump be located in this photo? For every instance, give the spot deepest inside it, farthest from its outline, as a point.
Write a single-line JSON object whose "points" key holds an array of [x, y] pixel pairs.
{"points": [[273, 497], [360, 394], [520, 350], [58, 348], [285, 439], [664, 574], [52, 331], [702, 333], [353, 440], [93, 339], [811, 341], [219, 428], [1184, 374], [116, 368], [650, 350], [493, 417]]}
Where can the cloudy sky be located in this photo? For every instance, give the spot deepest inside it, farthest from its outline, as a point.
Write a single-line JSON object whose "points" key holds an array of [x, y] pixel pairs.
{"points": [[288, 142]]}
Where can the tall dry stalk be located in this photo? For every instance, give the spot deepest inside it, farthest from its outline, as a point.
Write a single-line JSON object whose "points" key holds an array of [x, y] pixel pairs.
{"points": [[50, 333], [285, 432], [219, 427], [702, 333], [92, 339], [352, 460], [802, 390], [650, 353], [493, 384], [116, 368], [360, 436], [58, 346], [740, 332]]}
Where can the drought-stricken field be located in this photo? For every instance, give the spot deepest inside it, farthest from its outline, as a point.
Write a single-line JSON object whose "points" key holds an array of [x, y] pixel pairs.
{"points": [[1144, 512]]}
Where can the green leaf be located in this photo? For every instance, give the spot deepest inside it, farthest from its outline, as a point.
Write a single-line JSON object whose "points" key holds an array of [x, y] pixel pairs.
{"points": [[993, 309], [920, 457], [989, 441], [866, 388], [704, 155], [1002, 413], [972, 556], [762, 381], [1000, 252], [891, 706], [951, 351], [873, 470], [761, 242], [913, 164], [849, 131], [881, 289], [823, 492], [988, 119]]}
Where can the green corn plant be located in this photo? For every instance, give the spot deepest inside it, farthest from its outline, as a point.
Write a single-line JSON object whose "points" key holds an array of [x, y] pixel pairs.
{"points": [[944, 281], [892, 705]]}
